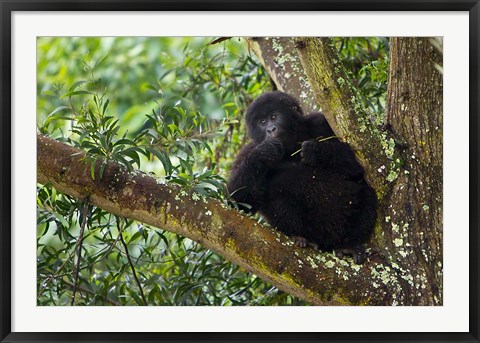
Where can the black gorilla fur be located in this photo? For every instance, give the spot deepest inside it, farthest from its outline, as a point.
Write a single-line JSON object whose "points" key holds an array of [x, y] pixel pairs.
{"points": [[317, 196]]}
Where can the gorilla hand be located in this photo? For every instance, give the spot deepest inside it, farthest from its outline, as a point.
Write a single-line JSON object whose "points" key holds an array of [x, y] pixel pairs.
{"points": [[269, 151], [310, 152]]}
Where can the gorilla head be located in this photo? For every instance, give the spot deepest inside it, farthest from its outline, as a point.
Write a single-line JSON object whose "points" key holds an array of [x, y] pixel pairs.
{"points": [[274, 115]]}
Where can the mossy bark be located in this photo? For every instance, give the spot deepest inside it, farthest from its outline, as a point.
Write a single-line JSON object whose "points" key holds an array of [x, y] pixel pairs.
{"points": [[282, 62], [414, 206]]}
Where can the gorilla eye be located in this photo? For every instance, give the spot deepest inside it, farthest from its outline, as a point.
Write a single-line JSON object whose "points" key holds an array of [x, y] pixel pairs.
{"points": [[273, 116], [262, 121]]}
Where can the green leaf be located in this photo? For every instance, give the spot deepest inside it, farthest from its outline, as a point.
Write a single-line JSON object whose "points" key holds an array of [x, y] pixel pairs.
{"points": [[103, 140], [102, 168], [173, 128], [61, 219], [124, 141], [92, 169], [133, 155], [76, 84], [105, 106], [149, 86], [207, 185], [164, 159], [59, 108], [100, 60], [50, 93], [68, 94]]}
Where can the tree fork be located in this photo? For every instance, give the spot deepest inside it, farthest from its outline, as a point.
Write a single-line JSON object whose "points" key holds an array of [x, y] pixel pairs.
{"points": [[318, 278], [343, 109]]}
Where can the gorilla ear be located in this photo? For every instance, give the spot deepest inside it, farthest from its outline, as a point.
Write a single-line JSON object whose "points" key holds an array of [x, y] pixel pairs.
{"points": [[297, 108]]}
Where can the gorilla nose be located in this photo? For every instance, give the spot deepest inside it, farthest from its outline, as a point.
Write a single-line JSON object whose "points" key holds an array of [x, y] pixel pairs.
{"points": [[272, 131]]}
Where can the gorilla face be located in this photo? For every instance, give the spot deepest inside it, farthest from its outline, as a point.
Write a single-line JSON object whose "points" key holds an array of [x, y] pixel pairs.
{"points": [[274, 115], [272, 125]]}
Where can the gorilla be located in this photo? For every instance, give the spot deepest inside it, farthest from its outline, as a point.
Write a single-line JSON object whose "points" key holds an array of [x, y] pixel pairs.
{"points": [[302, 179]]}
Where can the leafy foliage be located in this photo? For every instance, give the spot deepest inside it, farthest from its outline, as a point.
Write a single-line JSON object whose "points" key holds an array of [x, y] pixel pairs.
{"points": [[366, 59]]}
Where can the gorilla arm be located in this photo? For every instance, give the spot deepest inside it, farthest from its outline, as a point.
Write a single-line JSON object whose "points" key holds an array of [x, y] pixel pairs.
{"points": [[333, 155], [321, 148], [248, 175]]}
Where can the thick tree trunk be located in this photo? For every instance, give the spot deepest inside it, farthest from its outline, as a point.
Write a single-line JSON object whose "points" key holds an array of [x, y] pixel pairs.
{"points": [[414, 207], [403, 162]]}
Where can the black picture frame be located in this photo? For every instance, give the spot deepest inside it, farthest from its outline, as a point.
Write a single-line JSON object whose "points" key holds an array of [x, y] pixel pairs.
{"points": [[7, 7]]}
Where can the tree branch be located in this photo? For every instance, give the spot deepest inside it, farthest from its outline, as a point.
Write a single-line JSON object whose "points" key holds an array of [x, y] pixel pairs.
{"points": [[132, 267], [319, 278], [280, 58], [79, 246]]}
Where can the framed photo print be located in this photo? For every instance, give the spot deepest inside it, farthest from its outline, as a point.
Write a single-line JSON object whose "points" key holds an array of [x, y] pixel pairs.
{"points": [[214, 171]]}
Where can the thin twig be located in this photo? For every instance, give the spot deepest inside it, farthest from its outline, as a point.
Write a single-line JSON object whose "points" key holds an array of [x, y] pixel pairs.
{"points": [[131, 263], [79, 251], [319, 139]]}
